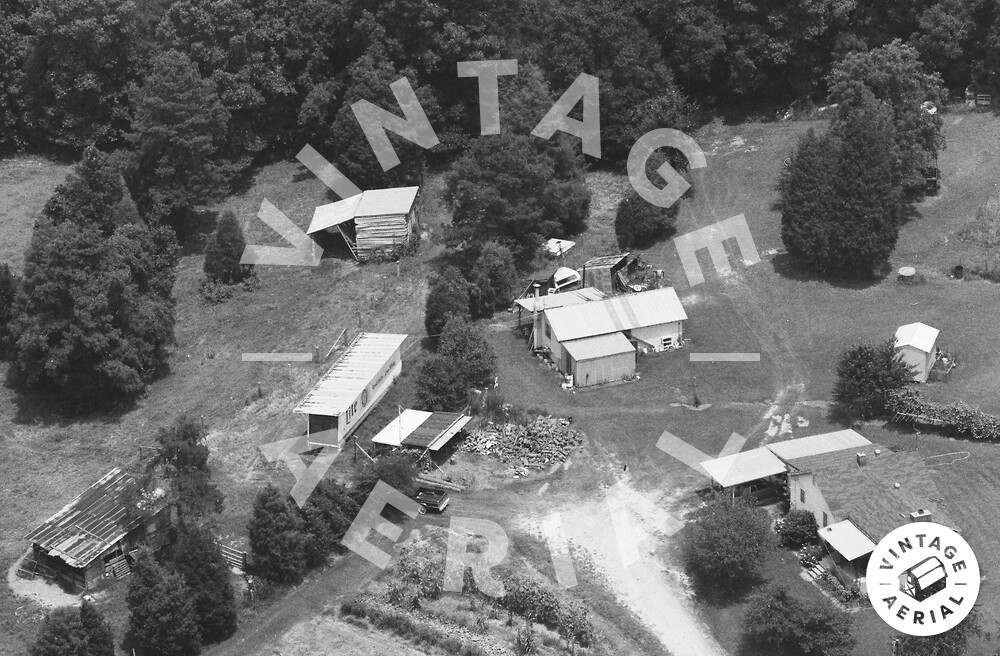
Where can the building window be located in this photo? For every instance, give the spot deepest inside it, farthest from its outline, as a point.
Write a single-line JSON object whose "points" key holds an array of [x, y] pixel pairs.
{"points": [[667, 342], [802, 496], [548, 332], [824, 519]]}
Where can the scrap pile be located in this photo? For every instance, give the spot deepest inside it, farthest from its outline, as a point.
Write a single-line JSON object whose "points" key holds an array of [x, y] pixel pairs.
{"points": [[536, 445]]}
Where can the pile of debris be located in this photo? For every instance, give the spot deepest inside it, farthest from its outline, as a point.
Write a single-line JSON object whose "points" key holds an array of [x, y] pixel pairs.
{"points": [[536, 445]]}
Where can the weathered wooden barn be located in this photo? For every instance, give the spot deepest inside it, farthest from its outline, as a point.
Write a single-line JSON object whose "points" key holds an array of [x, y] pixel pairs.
{"points": [[374, 223], [352, 387], [93, 535], [587, 340], [917, 344]]}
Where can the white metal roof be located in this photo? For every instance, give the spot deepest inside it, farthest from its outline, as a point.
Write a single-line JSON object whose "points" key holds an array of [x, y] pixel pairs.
{"points": [[400, 428], [847, 539], [815, 445], [561, 299], [374, 202], [918, 335], [599, 346], [350, 374], [744, 467], [559, 246], [616, 314]]}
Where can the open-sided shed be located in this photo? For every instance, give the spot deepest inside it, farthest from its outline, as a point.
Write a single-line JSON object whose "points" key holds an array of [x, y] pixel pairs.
{"points": [[744, 467], [422, 430], [372, 222], [352, 387]]}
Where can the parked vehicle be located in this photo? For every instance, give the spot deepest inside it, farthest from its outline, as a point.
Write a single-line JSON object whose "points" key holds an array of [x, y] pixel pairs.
{"points": [[431, 498], [761, 492]]}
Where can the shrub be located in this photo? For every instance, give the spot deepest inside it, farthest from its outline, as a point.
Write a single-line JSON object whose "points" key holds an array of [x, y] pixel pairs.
{"points": [[963, 419], [493, 279], [223, 252], [464, 360], [638, 222], [776, 620], [215, 292], [798, 529], [448, 296], [397, 470], [811, 555]]}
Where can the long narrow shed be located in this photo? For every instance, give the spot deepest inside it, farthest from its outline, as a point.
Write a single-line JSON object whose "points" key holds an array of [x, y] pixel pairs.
{"points": [[354, 385], [372, 222]]}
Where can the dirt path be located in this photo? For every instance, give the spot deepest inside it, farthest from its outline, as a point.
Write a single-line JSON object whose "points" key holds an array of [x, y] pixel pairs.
{"points": [[626, 558], [331, 586]]}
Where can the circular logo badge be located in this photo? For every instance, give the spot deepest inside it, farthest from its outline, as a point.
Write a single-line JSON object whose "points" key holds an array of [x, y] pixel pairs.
{"points": [[364, 398], [923, 579]]}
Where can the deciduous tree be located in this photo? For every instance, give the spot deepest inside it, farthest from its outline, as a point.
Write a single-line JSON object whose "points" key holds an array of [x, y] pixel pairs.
{"points": [[638, 222], [726, 545], [448, 296], [493, 279], [464, 360], [778, 621]]}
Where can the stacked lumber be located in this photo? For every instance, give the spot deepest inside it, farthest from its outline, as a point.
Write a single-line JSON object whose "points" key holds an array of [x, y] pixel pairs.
{"points": [[437, 482], [536, 445], [381, 232]]}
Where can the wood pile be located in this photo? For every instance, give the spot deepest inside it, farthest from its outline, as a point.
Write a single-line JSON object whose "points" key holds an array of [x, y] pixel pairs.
{"points": [[536, 445], [384, 232]]}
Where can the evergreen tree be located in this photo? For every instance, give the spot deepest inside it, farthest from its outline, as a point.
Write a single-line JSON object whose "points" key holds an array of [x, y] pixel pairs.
{"points": [[162, 618], [448, 296], [277, 538], [327, 515], [60, 635], [99, 639], [8, 291], [223, 252], [866, 374], [199, 560], [185, 462], [95, 313], [493, 279], [807, 194], [179, 131]]}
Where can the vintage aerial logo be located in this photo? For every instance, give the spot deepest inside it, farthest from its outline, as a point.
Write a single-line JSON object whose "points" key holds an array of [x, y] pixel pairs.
{"points": [[923, 579]]}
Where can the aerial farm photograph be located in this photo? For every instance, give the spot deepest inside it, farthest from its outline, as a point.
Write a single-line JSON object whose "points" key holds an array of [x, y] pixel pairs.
{"points": [[521, 328]]}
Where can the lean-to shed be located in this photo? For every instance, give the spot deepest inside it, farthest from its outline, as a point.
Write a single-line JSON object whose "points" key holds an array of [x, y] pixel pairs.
{"points": [[374, 222]]}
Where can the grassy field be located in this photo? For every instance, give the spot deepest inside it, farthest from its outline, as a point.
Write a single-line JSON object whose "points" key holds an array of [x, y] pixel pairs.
{"points": [[798, 323]]}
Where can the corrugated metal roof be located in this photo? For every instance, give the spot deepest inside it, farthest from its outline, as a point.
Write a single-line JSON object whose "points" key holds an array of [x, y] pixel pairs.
{"points": [[616, 314], [91, 523], [818, 444], [744, 467], [350, 374], [847, 539], [561, 299], [426, 430], [600, 346], [918, 335], [374, 202], [559, 246], [400, 428], [605, 260]]}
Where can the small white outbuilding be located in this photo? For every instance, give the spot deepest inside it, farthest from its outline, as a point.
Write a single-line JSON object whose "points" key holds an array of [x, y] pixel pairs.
{"points": [[917, 344]]}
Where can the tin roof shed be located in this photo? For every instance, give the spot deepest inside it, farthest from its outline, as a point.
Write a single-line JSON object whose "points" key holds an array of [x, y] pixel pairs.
{"points": [[562, 299], [599, 346], [420, 429], [744, 467], [374, 202], [350, 374], [94, 521], [612, 315], [815, 445]]}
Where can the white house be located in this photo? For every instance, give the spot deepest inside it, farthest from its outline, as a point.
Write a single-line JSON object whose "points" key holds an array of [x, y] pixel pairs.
{"points": [[916, 343]]}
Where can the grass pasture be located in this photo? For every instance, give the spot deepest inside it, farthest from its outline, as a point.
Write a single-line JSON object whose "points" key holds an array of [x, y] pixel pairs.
{"points": [[26, 182]]}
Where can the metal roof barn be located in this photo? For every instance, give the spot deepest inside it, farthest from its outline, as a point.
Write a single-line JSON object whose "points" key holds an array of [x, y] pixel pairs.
{"points": [[818, 444], [92, 522], [352, 386], [744, 467], [612, 315]]}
